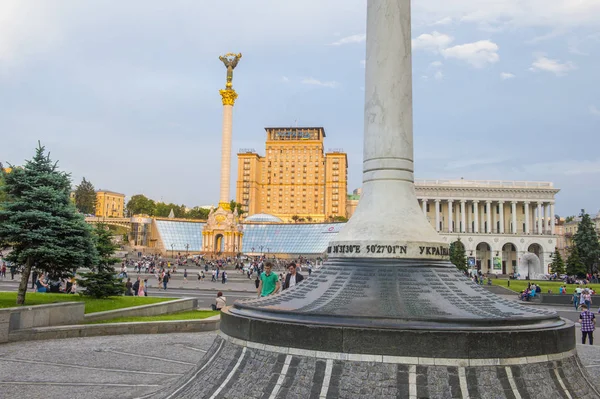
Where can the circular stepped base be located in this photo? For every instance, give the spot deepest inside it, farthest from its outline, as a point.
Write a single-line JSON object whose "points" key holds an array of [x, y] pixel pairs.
{"points": [[238, 369]]}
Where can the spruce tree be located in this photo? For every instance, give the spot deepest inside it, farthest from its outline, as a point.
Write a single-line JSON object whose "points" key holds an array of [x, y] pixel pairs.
{"points": [[85, 198], [41, 224], [575, 266], [458, 255], [102, 281], [586, 241], [558, 265]]}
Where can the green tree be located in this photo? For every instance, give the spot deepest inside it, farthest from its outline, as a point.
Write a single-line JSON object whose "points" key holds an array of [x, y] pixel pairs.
{"points": [[586, 241], [236, 205], [340, 219], [102, 281], [575, 266], [569, 219], [41, 224], [163, 210], [3, 195], [295, 218], [85, 198], [458, 255], [197, 213], [141, 205], [558, 264]]}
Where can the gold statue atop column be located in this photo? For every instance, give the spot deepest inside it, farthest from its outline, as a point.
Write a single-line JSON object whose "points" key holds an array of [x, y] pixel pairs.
{"points": [[230, 60]]}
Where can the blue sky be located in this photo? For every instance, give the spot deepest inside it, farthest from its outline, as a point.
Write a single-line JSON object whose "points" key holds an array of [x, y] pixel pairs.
{"points": [[126, 93]]}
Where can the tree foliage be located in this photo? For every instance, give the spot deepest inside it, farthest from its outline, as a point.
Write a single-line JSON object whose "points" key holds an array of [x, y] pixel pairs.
{"points": [[575, 266], [85, 197], [558, 264], [163, 210], [41, 224], [3, 194], [586, 241], [198, 213], [236, 205], [102, 281], [140, 205], [458, 255]]}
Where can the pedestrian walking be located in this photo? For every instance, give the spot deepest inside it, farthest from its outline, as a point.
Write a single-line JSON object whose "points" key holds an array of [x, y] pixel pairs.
{"points": [[588, 324], [269, 282], [185, 276], [166, 280]]}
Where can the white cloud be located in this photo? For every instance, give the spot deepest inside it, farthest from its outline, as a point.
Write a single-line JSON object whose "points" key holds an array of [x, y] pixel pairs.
{"points": [[350, 40], [439, 75], [478, 54], [500, 14], [316, 82], [443, 21], [436, 64], [542, 63], [594, 110], [506, 75], [285, 79], [432, 42]]}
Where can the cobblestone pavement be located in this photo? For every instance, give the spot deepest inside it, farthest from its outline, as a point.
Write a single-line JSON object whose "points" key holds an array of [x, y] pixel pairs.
{"points": [[137, 366], [115, 367]]}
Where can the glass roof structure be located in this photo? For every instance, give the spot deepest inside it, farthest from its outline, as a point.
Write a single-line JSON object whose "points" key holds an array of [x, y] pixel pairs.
{"points": [[301, 239], [263, 217]]}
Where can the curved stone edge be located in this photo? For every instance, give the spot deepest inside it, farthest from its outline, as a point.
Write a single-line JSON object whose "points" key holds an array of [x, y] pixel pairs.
{"points": [[411, 343], [94, 330], [235, 368]]}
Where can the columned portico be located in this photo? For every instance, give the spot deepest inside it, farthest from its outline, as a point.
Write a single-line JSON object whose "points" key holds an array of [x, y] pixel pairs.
{"points": [[501, 205], [540, 217], [437, 215], [476, 215]]}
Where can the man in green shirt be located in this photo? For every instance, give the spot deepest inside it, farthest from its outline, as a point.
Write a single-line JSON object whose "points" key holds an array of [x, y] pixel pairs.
{"points": [[269, 282]]}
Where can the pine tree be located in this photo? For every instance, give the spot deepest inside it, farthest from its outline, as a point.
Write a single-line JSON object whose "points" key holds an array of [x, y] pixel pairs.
{"points": [[41, 224], [558, 265], [586, 241], [575, 266], [102, 281], [458, 255], [85, 198]]}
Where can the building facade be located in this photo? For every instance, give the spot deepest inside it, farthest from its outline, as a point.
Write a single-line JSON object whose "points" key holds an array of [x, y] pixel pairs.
{"points": [[506, 226], [110, 204], [571, 227], [296, 180]]}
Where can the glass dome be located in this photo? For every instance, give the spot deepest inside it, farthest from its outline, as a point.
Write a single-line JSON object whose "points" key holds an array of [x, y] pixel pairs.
{"points": [[263, 218]]}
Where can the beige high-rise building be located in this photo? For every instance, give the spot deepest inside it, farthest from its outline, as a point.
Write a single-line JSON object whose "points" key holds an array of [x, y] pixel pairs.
{"points": [[296, 180]]}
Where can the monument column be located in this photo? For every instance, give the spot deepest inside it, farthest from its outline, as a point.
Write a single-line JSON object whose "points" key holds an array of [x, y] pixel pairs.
{"points": [[424, 205], [228, 96]]}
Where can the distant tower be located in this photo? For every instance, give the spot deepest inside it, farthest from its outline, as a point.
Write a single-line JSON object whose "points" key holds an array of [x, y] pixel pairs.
{"points": [[222, 233], [228, 96]]}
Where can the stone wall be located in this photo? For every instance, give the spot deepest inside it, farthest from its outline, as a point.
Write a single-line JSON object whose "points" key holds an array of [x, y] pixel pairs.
{"points": [[179, 305], [27, 317]]}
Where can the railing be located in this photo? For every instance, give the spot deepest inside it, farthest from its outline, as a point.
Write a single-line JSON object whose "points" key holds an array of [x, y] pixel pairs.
{"points": [[506, 233], [484, 183]]}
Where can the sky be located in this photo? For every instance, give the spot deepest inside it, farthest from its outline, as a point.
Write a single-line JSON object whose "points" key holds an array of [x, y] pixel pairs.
{"points": [[125, 93]]}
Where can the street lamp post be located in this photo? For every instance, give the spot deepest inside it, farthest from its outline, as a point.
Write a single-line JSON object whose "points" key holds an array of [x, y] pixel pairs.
{"points": [[187, 247], [172, 250], [261, 250]]}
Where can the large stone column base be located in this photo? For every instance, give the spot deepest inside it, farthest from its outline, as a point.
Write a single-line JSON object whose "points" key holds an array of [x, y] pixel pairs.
{"points": [[240, 369]]}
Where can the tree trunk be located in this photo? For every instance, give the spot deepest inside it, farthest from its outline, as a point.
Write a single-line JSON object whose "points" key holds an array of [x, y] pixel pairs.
{"points": [[24, 283]]}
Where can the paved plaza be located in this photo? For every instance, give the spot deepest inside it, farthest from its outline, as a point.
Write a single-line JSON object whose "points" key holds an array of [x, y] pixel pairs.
{"points": [[133, 366]]}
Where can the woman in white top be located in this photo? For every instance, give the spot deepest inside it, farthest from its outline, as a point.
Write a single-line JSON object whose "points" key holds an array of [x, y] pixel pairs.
{"points": [[220, 302]]}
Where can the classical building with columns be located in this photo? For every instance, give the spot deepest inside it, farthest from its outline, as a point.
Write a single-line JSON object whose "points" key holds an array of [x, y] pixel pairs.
{"points": [[506, 226]]}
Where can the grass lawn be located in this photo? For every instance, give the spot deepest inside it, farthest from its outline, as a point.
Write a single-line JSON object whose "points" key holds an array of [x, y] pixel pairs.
{"points": [[9, 299], [520, 285], [188, 315]]}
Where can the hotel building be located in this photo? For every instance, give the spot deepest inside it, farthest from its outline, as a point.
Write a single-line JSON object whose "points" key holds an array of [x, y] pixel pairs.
{"points": [[296, 180]]}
